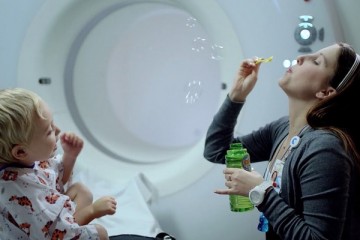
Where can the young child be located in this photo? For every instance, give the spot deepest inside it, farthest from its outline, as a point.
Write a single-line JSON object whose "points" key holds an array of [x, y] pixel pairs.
{"points": [[33, 201]]}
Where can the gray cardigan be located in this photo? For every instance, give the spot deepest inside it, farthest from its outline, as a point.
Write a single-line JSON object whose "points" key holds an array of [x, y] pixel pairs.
{"points": [[319, 197]]}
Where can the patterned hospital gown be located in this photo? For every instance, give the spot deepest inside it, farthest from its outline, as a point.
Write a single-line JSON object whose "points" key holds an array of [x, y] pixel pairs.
{"points": [[33, 204]]}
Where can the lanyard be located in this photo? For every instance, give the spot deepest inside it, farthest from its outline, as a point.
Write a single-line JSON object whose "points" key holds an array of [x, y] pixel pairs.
{"points": [[277, 167]]}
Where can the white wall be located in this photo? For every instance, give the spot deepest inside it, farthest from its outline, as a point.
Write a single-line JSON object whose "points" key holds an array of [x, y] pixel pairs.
{"points": [[348, 12], [15, 16]]}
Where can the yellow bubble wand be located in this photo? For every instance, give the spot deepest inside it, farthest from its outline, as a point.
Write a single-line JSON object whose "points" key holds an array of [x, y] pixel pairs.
{"points": [[263, 60]]}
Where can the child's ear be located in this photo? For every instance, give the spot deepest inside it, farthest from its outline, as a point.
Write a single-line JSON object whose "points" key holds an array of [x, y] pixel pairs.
{"points": [[19, 152]]}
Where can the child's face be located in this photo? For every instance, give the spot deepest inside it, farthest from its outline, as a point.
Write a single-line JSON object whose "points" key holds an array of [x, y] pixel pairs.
{"points": [[43, 143]]}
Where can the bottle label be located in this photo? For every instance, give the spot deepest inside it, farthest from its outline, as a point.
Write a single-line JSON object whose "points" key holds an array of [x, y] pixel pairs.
{"points": [[246, 162]]}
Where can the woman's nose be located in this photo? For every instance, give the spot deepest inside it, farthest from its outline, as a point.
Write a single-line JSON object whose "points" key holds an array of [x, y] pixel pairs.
{"points": [[299, 60]]}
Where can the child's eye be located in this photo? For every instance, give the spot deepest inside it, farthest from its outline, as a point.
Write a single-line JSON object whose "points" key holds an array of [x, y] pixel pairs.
{"points": [[51, 130]]}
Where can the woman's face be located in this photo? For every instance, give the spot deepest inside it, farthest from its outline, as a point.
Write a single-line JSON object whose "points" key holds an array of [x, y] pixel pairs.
{"points": [[311, 74]]}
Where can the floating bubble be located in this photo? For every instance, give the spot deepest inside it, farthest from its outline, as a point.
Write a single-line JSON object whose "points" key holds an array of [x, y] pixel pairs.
{"points": [[193, 91], [216, 52], [191, 22]]}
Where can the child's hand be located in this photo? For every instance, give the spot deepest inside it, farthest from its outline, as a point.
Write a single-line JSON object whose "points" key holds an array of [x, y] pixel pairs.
{"points": [[71, 144], [104, 206]]}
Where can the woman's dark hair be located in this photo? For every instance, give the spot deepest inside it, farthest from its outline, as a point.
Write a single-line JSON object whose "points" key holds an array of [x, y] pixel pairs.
{"points": [[337, 113]]}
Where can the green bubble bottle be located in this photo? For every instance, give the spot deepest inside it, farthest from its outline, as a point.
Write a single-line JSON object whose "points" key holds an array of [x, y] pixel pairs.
{"points": [[238, 157]]}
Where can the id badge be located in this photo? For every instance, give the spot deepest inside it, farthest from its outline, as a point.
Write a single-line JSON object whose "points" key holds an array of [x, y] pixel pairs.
{"points": [[276, 174]]}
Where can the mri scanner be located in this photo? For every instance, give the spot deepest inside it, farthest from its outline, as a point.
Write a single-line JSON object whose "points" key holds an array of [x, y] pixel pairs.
{"points": [[140, 80]]}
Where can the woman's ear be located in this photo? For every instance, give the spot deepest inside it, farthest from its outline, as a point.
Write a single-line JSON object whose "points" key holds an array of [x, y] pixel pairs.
{"points": [[325, 93], [19, 152]]}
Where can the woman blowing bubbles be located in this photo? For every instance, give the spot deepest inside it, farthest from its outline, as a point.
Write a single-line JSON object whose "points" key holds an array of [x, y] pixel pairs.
{"points": [[314, 150]]}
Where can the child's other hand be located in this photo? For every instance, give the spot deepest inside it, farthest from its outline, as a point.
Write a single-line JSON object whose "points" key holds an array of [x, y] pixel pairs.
{"points": [[71, 143]]}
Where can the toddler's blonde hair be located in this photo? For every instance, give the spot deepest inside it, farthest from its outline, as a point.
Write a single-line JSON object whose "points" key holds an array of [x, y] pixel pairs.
{"points": [[18, 110]]}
